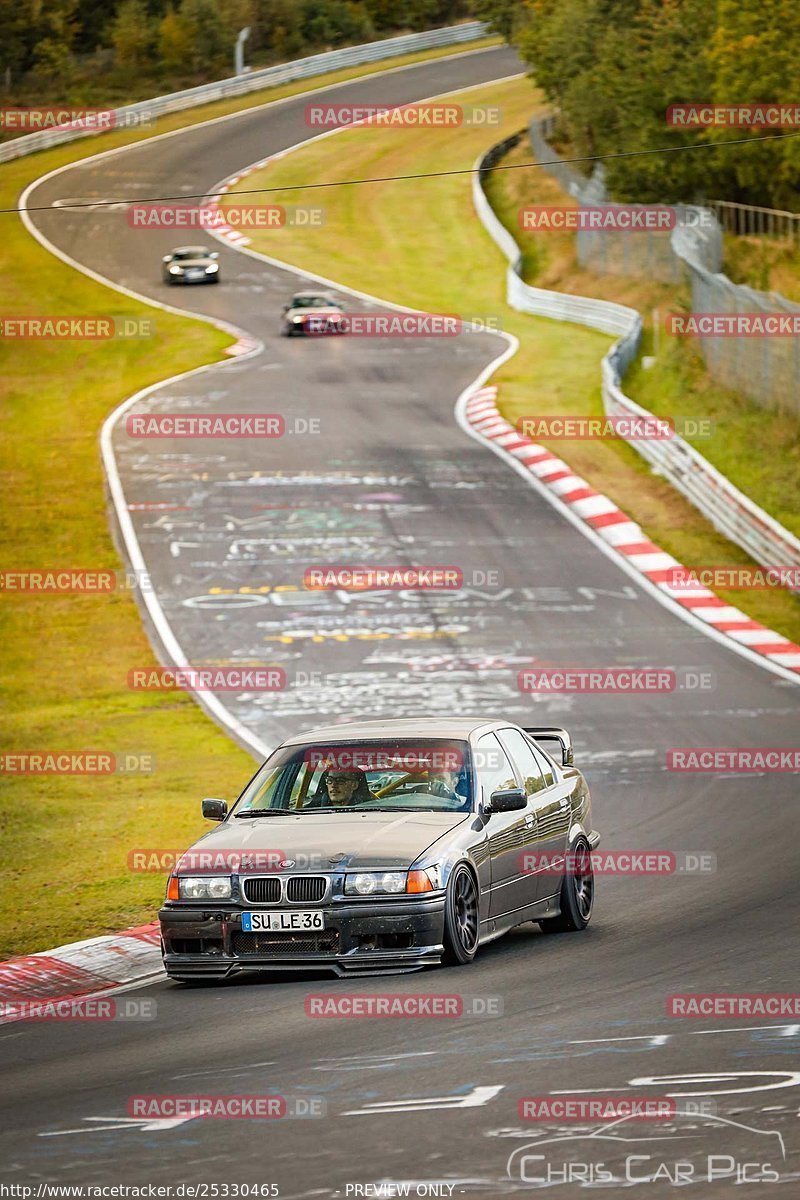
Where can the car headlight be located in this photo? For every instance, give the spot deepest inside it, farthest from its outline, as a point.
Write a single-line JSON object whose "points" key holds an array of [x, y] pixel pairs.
{"points": [[204, 888], [211, 268], [375, 883], [176, 270], [296, 320]]}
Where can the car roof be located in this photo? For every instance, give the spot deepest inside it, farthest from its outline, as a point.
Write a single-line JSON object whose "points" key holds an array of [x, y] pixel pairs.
{"points": [[201, 251], [403, 727], [302, 295]]}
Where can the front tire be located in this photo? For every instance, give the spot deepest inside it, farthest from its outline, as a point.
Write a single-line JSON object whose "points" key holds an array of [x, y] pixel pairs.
{"points": [[461, 919], [577, 893]]}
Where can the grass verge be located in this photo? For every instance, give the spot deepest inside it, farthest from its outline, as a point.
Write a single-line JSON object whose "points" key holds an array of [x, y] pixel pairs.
{"points": [[66, 839], [421, 245]]}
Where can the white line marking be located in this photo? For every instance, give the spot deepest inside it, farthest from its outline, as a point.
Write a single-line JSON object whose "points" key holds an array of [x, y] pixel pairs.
{"points": [[135, 1124], [658, 1039], [474, 1099]]}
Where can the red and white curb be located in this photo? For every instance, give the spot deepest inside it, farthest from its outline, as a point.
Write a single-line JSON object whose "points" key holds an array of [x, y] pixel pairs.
{"points": [[80, 969], [226, 232], [624, 537]]}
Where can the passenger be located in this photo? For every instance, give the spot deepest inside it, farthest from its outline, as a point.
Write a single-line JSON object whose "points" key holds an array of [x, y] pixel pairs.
{"points": [[450, 784]]}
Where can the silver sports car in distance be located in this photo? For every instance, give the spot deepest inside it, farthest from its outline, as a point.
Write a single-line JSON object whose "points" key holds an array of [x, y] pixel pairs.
{"points": [[190, 264], [312, 313], [385, 846]]}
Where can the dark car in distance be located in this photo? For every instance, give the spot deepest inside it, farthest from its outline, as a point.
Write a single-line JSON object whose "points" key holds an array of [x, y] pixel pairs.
{"points": [[190, 264]]}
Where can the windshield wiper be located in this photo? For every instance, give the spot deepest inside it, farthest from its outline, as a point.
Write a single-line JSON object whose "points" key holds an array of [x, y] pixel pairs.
{"points": [[263, 812], [318, 808], [368, 808]]}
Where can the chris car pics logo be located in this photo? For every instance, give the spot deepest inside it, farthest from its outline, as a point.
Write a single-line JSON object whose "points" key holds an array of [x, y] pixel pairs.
{"points": [[683, 1150]]}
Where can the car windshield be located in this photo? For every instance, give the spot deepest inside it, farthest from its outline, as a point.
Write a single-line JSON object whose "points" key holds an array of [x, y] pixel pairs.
{"points": [[424, 775], [312, 302], [197, 252]]}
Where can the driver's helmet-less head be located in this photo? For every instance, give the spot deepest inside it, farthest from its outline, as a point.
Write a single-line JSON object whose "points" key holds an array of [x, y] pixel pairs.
{"points": [[344, 786]]}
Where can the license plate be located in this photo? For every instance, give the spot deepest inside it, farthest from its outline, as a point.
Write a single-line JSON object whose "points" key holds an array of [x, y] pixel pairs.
{"points": [[254, 922], [194, 274]]}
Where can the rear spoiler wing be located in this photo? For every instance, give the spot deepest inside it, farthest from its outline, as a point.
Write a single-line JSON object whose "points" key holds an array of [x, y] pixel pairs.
{"points": [[552, 733]]}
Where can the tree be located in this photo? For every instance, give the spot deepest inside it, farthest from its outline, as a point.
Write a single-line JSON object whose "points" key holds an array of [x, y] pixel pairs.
{"points": [[335, 23], [210, 43], [14, 37], [132, 34], [193, 38], [753, 56], [506, 17], [174, 35]]}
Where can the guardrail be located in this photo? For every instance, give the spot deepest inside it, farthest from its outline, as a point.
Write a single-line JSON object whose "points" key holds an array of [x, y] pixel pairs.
{"points": [[765, 369], [750, 220], [729, 510], [131, 115]]}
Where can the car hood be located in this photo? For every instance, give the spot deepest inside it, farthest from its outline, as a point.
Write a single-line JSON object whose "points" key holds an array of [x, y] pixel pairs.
{"points": [[332, 841]]}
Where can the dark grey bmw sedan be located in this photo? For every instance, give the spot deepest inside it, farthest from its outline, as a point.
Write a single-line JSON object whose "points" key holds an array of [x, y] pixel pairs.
{"points": [[385, 846]]}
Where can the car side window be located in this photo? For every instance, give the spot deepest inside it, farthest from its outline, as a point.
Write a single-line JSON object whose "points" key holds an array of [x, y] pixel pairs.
{"points": [[494, 769], [525, 759], [546, 765]]}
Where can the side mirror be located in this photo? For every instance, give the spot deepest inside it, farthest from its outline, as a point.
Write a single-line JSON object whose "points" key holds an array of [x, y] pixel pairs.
{"points": [[507, 800], [167, 258], [214, 254], [286, 308], [215, 810]]}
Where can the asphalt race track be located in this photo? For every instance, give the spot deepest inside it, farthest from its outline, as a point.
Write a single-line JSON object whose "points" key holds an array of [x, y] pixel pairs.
{"points": [[392, 479]]}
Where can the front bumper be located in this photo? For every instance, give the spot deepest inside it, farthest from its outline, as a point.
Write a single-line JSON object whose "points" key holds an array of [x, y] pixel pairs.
{"points": [[212, 278], [360, 938], [302, 330]]}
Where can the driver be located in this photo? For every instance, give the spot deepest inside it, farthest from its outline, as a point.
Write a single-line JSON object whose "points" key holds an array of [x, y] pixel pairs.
{"points": [[341, 788]]}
